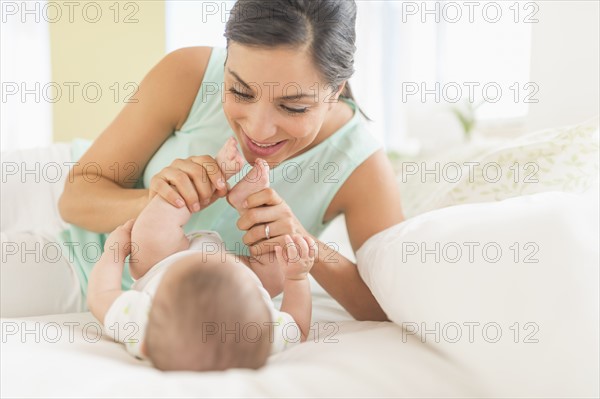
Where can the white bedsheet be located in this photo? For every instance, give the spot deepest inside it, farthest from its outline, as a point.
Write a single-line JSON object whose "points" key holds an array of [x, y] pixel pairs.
{"points": [[58, 356], [349, 359]]}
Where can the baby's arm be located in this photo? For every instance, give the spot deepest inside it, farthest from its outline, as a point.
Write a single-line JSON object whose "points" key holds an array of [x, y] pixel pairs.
{"points": [[104, 285], [268, 270], [297, 258]]}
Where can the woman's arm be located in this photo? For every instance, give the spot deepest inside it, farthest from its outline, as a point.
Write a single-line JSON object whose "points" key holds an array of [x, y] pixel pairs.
{"points": [[370, 200], [339, 277], [161, 104]]}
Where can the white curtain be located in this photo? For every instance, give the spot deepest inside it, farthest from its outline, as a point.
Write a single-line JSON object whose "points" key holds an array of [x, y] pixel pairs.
{"points": [[403, 45], [382, 49], [26, 114]]}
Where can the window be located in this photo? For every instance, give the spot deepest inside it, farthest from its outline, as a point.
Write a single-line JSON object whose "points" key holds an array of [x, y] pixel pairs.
{"points": [[26, 114], [493, 55]]}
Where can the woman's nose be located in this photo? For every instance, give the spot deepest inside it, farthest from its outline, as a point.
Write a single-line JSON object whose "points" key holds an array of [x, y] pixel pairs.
{"points": [[261, 125]]}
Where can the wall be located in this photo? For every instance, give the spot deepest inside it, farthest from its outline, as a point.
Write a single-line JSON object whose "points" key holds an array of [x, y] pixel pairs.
{"points": [[564, 63], [106, 47]]}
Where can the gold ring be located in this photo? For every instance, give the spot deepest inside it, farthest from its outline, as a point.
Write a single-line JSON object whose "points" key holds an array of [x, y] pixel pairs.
{"points": [[267, 231]]}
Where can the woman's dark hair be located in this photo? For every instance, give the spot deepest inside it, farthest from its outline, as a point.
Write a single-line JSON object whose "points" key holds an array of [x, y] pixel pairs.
{"points": [[324, 27]]}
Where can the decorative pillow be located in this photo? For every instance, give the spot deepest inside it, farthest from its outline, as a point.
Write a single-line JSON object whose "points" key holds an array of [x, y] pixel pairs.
{"points": [[559, 159], [508, 288]]}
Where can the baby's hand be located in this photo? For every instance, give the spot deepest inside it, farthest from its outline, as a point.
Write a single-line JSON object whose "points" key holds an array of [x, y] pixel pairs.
{"points": [[297, 256], [118, 243]]}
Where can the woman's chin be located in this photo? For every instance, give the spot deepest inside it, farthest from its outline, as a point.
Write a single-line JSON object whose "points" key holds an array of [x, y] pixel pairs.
{"points": [[272, 160]]}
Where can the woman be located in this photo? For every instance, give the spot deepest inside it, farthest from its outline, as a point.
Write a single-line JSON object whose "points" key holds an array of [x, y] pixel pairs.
{"points": [[276, 88]]}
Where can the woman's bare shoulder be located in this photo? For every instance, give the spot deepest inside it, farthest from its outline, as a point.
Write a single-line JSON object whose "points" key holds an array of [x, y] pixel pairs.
{"points": [[184, 69], [158, 107]]}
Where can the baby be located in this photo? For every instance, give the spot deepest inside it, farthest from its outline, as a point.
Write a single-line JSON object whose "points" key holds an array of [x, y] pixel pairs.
{"points": [[194, 306]]}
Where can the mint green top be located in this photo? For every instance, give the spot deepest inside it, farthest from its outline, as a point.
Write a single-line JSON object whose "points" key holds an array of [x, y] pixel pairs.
{"points": [[307, 182]]}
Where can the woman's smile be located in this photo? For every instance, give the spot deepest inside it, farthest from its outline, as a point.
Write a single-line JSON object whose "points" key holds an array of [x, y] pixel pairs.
{"points": [[262, 149]]}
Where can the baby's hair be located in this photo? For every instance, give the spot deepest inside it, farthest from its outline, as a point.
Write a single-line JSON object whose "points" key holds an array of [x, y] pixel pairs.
{"points": [[200, 322]]}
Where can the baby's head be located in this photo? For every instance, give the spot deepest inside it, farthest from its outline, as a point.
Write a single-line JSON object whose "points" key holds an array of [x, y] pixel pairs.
{"points": [[208, 314]]}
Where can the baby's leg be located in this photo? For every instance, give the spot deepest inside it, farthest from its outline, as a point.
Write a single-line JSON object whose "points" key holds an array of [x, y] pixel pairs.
{"points": [[158, 230], [254, 181], [229, 159], [156, 234], [266, 267]]}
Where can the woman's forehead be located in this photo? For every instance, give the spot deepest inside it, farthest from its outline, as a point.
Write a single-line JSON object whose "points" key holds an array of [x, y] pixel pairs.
{"points": [[277, 66]]}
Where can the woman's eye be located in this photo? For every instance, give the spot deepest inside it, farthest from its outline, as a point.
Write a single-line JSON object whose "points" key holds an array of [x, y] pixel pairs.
{"points": [[246, 97], [294, 110], [240, 95]]}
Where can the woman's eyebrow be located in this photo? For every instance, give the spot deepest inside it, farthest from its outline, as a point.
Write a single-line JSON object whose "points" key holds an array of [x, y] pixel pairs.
{"points": [[247, 86]]}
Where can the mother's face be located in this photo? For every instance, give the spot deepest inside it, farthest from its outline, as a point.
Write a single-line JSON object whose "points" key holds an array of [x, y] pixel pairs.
{"points": [[261, 103]]}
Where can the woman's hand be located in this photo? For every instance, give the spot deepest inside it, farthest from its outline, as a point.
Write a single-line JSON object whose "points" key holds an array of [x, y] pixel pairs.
{"points": [[267, 208], [195, 182]]}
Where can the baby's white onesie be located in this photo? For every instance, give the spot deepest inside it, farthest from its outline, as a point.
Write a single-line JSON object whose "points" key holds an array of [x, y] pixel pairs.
{"points": [[127, 318]]}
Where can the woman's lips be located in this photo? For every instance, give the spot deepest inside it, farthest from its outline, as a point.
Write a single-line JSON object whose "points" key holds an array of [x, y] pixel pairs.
{"points": [[262, 151]]}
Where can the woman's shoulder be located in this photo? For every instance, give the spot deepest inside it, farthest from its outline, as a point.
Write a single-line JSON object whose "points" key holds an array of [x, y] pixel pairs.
{"points": [[184, 70], [190, 62]]}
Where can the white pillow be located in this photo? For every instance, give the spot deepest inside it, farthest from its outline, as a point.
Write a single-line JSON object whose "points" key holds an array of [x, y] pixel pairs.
{"points": [[32, 182], [554, 300], [557, 159]]}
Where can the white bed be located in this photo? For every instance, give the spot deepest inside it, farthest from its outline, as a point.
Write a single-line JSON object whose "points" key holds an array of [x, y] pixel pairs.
{"points": [[350, 359], [62, 355]]}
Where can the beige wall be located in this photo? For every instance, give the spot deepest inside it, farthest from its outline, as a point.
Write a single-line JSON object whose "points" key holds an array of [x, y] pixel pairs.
{"points": [[112, 54]]}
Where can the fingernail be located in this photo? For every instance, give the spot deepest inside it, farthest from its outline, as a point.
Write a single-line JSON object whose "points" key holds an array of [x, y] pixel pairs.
{"points": [[205, 202], [245, 204], [179, 202], [196, 207], [221, 183]]}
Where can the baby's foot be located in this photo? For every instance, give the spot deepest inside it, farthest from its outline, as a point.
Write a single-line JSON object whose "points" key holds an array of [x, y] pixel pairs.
{"points": [[254, 181], [229, 158]]}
